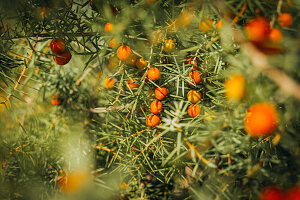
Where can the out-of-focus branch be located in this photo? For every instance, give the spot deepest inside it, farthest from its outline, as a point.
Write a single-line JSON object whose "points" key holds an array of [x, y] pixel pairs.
{"points": [[260, 62]]}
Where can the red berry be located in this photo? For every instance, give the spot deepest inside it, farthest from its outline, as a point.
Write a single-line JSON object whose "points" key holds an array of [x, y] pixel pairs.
{"points": [[57, 46], [63, 58], [271, 193], [293, 194]]}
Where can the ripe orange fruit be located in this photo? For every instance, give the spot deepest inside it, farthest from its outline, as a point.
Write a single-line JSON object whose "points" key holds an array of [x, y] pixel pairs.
{"points": [[285, 20], [194, 96], [109, 83], [155, 107], [195, 78], [261, 119], [235, 87], [257, 29], [57, 46], [133, 83], [132, 60], [141, 63], [205, 25], [152, 120], [275, 35], [153, 74], [56, 100], [114, 43], [161, 93], [169, 45], [63, 58], [123, 52], [193, 110], [219, 24], [108, 27]]}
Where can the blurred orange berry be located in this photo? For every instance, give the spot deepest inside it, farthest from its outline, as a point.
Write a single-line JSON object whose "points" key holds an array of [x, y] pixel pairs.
{"points": [[285, 19], [109, 83], [108, 27], [275, 35], [257, 29], [261, 119], [235, 87]]}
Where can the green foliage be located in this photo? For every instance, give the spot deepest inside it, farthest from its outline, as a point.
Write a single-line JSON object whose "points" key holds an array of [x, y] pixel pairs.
{"points": [[104, 131]]}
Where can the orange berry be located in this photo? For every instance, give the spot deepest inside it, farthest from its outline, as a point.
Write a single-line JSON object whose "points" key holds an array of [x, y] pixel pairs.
{"points": [[141, 63], [205, 25], [56, 100], [169, 45], [219, 24], [193, 110], [153, 74], [109, 83], [124, 52], [113, 43], [161, 93], [195, 78], [257, 29], [152, 120], [261, 119], [235, 87], [275, 35], [155, 107], [285, 20], [194, 96], [131, 60], [133, 83], [108, 27], [185, 18]]}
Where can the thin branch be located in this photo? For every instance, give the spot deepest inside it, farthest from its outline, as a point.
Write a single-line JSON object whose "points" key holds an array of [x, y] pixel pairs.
{"points": [[23, 71]]}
